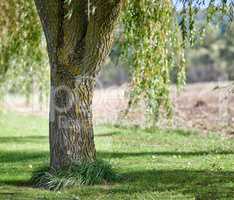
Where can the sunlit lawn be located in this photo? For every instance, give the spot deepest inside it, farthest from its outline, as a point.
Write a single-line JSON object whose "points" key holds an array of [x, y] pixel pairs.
{"points": [[153, 164]]}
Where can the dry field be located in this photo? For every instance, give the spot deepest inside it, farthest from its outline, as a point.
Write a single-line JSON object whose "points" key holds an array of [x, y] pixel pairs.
{"points": [[202, 106]]}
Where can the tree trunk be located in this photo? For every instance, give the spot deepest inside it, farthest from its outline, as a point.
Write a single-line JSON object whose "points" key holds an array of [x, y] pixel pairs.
{"points": [[76, 47], [71, 129]]}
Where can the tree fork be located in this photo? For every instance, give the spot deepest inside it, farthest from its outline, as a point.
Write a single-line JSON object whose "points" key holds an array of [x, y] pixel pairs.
{"points": [[76, 47]]}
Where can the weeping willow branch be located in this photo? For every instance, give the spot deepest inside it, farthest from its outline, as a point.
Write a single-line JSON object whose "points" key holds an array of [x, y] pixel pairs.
{"points": [[154, 44]]}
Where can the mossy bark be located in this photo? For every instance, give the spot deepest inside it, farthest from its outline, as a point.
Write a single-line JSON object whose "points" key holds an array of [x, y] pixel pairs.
{"points": [[77, 46]]}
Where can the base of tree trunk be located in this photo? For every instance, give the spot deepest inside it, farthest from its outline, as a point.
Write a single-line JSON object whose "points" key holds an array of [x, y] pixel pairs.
{"points": [[97, 172]]}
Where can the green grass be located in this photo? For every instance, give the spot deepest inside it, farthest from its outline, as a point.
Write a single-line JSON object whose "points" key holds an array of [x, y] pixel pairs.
{"points": [[159, 164]]}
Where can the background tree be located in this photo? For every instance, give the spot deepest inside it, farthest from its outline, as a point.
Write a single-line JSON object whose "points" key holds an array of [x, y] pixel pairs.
{"points": [[212, 58]]}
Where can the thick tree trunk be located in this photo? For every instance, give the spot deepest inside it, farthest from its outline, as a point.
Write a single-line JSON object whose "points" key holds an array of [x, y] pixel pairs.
{"points": [[76, 47], [71, 129]]}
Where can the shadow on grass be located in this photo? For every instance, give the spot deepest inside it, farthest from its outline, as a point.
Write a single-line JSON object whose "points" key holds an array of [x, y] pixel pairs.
{"points": [[163, 153], [204, 185], [181, 132], [21, 156], [22, 140], [15, 164], [113, 133], [200, 184], [17, 183]]}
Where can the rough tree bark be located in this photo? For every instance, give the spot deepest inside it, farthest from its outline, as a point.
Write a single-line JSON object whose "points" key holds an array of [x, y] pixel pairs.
{"points": [[77, 46]]}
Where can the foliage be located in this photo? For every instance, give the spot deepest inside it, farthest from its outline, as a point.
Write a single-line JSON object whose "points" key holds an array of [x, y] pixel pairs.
{"points": [[191, 14], [153, 39], [154, 46], [23, 60], [96, 172]]}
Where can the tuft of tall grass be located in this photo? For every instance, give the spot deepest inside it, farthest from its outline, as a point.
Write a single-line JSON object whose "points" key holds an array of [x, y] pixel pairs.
{"points": [[86, 173]]}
